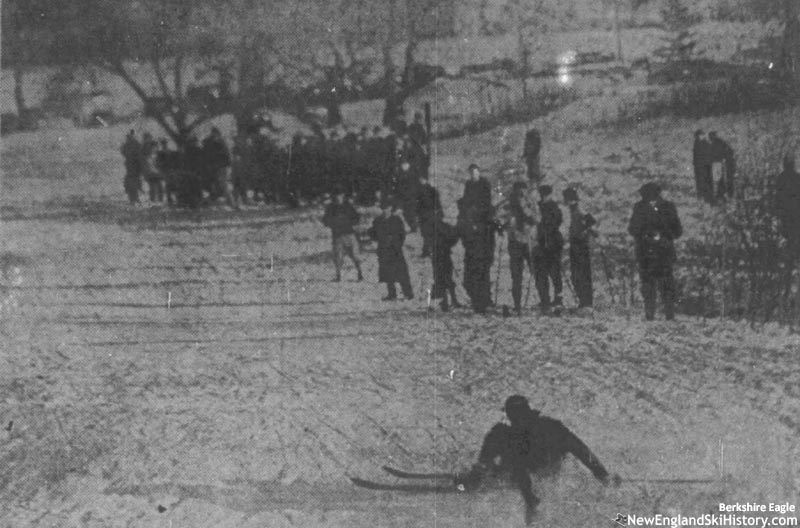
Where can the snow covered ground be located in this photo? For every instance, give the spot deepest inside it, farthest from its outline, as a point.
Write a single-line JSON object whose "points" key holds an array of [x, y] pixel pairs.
{"points": [[163, 368]]}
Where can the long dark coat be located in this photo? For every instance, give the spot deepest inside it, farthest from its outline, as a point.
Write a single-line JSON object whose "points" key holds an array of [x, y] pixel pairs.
{"points": [[390, 233]]}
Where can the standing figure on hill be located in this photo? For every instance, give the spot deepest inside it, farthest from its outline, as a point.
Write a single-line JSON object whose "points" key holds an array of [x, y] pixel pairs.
{"points": [[723, 158], [523, 216], [342, 218], [654, 226], [218, 159], [131, 150], [532, 443], [547, 255], [701, 159], [152, 175], [445, 236], [477, 227], [580, 263], [390, 233], [787, 206], [531, 152], [428, 208]]}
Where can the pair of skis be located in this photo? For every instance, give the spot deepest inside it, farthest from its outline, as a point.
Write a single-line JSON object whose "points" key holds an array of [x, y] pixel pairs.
{"points": [[450, 486]]}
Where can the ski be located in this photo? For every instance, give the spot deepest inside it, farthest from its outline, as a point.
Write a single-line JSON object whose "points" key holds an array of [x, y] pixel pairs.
{"points": [[408, 488], [668, 480], [407, 475]]}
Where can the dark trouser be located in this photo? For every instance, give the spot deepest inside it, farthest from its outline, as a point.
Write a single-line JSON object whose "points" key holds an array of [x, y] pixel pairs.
{"points": [[547, 269], [580, 265], [519, 255], [704, 183], [534, 170], [665, 283], [405, 285], [725, 183], [156, 188], [132, 184], [477, 276], [426, 229]]}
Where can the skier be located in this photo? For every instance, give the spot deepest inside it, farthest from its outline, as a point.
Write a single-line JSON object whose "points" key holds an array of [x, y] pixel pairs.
{"points": [[532, 443]]}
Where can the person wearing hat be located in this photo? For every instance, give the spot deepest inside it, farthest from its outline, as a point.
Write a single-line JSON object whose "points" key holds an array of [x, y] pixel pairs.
{"points": [[580, 264], [477, 227], [530, 444], [547, 256], [342, 218], [390, 234], [523, 216], [654, 226]]}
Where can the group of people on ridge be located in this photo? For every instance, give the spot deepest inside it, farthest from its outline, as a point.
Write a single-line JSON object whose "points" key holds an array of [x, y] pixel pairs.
{"points": [[532, 225], [260, 166]]}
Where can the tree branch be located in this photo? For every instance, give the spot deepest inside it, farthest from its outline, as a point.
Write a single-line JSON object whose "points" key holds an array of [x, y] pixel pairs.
{"points": [[118, 68], [179, 76], [155, 62]]}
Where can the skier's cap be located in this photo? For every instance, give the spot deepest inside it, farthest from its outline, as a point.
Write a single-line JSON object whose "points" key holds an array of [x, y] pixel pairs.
{"points": [[516, 402], [545, 190], [650, 190], [473, 166]]}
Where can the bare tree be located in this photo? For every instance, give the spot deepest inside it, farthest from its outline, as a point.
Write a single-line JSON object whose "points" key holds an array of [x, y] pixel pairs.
{"points": [[27, 40]]}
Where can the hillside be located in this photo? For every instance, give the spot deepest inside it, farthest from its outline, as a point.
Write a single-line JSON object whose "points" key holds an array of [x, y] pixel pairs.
{"points": [[167, 368]]}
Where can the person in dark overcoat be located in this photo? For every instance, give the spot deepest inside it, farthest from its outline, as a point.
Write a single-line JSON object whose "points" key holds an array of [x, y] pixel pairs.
{"points": [[477, 228], [389, 232], [654, 226]]}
